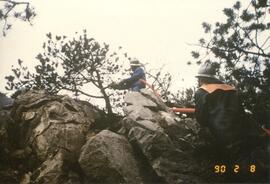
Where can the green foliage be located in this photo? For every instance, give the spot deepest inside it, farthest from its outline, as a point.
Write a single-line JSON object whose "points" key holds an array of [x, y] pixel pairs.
{"points": [[206, 27], [182, 98], [10, 9], [162, 83], [72, 64], [241, 45]]}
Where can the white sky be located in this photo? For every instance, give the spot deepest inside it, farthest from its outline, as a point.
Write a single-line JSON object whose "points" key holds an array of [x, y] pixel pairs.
{"points": [[154, 31]]}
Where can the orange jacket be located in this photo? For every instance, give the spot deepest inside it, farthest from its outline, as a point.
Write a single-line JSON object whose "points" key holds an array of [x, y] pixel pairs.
{"points": [[210, 88]]}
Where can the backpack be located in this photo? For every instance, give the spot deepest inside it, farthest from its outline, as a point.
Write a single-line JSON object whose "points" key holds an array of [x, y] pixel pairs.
{"points": [[224, 112]]}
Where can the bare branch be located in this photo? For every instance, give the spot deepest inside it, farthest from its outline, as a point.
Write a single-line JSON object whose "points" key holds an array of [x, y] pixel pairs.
{"points": [[11, 8], [82, 92], [265, 41]]}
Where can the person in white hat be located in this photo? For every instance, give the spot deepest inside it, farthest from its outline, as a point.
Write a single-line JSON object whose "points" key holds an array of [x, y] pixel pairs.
{"points": [[134, 82], [217, 107]]}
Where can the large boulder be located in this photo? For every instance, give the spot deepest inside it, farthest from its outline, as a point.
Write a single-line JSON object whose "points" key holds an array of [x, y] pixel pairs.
{"points": [[137, 112], [108, 158], [50, 125], [154, 98], [136, 98], [162, 137]]}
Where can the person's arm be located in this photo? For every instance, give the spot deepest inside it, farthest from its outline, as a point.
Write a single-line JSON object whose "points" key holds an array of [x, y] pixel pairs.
{"points": [[126, 83], [138, 74]]}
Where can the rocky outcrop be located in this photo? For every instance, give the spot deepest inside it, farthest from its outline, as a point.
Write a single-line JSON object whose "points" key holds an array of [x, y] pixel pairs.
{"points": [[51, 123], [162, 136], [51, 129], [53, 139], [108, 158]]}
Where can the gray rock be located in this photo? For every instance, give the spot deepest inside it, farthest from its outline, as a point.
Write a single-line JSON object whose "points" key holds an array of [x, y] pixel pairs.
{"points": [[58, 127], [137, 112], [51, 171], [128, 123], [168, 161], [149, 125], [28, 115], [50, 122], [169, 118], [47, 140], [150, 95], [108, 158], [31, 96], [159, 134], [55, 128], [152, 144], [136, 98], [5, 102], [172, 126], [52, 125]]}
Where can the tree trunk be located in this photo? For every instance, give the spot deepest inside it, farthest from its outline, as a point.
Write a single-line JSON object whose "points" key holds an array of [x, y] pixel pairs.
{"points": [[106, 97]]}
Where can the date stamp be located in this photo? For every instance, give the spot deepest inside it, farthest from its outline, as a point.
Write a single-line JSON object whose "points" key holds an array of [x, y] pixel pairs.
{"points": [[222, 168]]}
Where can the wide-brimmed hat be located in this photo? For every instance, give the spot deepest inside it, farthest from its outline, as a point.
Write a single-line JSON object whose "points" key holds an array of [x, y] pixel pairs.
{"points": [[207, 70], [135, 62]]}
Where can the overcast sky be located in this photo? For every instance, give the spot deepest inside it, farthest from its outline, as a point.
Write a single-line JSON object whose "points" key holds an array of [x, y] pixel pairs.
{"points": [[155, 31]]}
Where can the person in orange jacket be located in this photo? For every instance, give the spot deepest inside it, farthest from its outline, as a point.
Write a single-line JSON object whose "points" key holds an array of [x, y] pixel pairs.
{"points": [[217, 106]]}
